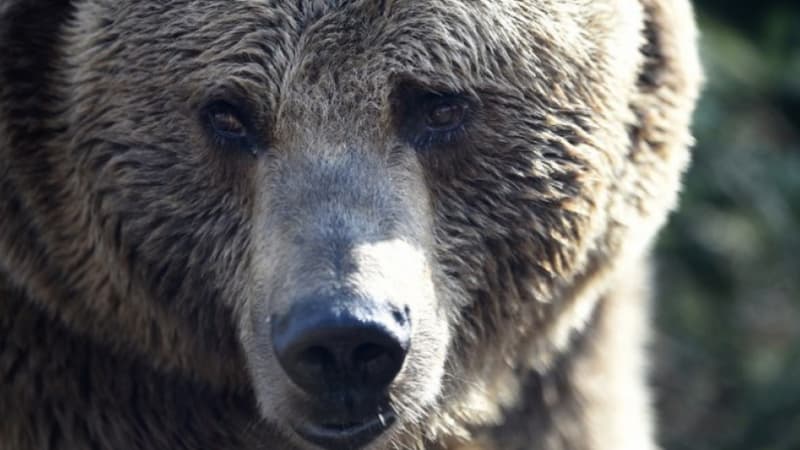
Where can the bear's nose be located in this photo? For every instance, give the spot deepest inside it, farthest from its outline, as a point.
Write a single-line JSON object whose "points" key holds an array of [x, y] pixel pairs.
{"points": [[332, 345]]}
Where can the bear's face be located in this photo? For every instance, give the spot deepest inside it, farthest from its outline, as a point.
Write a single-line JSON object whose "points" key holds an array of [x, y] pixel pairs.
{"points": [[404, 176]]}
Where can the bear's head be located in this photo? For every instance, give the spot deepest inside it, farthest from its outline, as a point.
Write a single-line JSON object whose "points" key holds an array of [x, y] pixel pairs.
{"points": [[366, 212]]}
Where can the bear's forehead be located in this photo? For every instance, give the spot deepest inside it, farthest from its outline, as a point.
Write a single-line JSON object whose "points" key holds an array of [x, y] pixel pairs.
{"points": [[458, 39]]}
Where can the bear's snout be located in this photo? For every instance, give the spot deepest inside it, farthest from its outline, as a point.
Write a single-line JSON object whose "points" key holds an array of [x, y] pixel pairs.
{"points": [[333, 346], [344, 352]]}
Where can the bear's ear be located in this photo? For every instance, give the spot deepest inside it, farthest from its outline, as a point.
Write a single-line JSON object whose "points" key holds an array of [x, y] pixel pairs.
{"points": [[20, 19], [670, 77], [29, 33], [28, 26]]}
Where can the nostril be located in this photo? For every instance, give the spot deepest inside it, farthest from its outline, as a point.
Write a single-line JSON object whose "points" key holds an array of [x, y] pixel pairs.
{"points": [[376, 365], [315, 362], [365, 353]]}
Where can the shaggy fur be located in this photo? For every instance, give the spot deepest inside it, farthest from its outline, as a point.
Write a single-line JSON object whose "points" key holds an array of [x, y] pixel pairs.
{"points": [[141, 259]]}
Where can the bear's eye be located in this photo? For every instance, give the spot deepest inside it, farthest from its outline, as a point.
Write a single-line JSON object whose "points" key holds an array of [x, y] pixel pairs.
{"points": [[428, 118], [445, 114], [228, 125]]}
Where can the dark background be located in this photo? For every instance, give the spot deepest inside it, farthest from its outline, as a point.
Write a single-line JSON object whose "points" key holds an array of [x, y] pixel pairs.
{"points": [[728, 307]]}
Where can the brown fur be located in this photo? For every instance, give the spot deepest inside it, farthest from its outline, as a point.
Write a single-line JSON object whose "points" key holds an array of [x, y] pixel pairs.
{"points": [[140, 263]]}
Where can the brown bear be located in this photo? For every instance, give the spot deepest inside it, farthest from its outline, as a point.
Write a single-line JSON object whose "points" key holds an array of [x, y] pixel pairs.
{"points": [[334, 224]]}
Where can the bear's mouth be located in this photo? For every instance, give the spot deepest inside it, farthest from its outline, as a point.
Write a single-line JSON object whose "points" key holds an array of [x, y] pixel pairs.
{"points": [[350, 435]]}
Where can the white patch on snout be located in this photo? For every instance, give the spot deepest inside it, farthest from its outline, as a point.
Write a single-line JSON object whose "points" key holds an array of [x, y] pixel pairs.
{"points": [[389, 269], [398, 272]]}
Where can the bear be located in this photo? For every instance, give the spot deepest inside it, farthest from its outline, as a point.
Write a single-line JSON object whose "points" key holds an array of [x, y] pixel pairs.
{"points": [[335, 224]]}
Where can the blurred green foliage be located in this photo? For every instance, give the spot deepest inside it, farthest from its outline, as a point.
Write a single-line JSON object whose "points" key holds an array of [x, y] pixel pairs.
{"points": [[728, 308]]}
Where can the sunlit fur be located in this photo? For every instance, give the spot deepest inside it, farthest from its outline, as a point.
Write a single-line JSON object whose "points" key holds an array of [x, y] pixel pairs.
{"points": [[141, 261]]}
